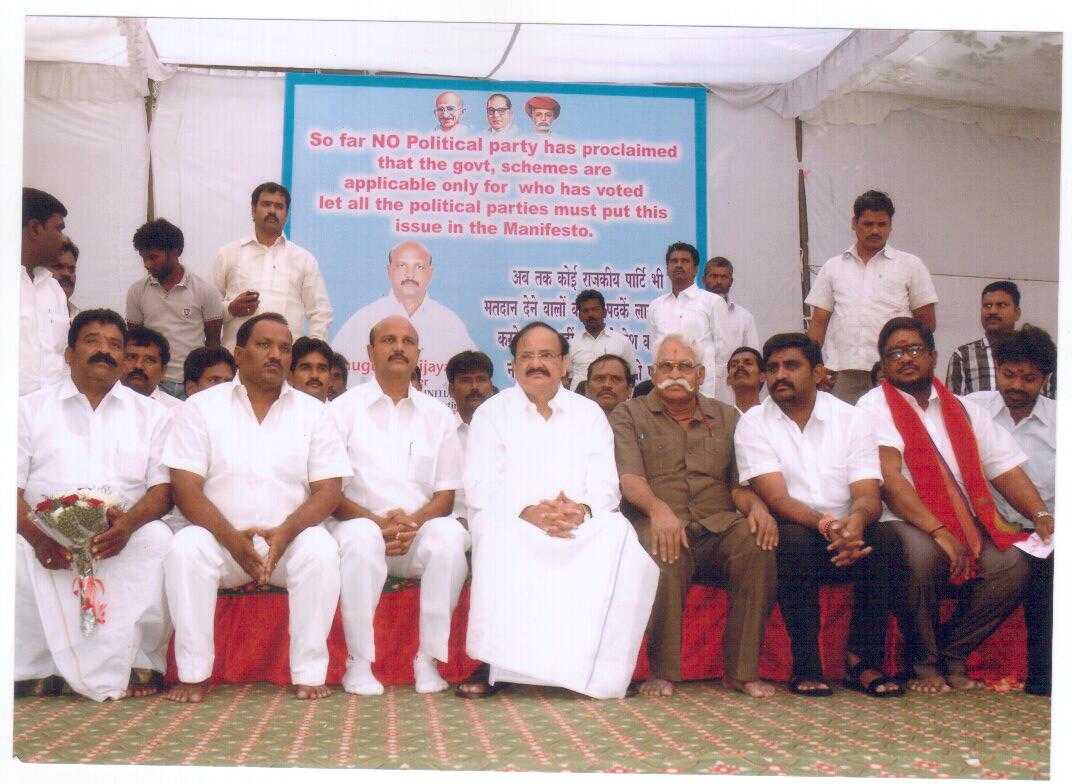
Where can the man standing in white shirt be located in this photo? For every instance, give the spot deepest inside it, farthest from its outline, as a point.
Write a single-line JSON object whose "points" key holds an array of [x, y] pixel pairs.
{"points": [[938, 453], [695, 313], [1025, 359], [89, 431], [409, 271], [814, 461], [562, 589], [596, 339], [718, 279], [255, 467], [857, 292], [43, 313], [469, 384], [65, 271], [394, 517], [267, 273], [146, 355]]}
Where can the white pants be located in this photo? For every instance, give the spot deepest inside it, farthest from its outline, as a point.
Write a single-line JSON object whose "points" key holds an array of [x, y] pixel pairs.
{"points": [[136, 628], [436, 556], [560, 612], [197, 566]]}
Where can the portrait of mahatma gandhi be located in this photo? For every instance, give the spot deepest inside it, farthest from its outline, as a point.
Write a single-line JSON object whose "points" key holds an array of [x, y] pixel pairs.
{"points": [[448, 112]]}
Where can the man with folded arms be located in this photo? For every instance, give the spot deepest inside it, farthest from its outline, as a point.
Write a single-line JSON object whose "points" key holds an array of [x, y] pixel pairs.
{"points": [[937, 452], [813, 460], [394, 517], [561, 589], [90, 431], [256, 467], [674, 450]]}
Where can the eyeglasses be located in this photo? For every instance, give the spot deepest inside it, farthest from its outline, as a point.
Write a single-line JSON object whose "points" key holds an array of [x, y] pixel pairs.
{"points": [[666, 366], [446, 109], [543, 356], [912, 351], [500, 110]]}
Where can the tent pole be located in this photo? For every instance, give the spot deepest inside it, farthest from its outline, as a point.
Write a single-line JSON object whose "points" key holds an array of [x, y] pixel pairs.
{"points": [[802, 218], [150, 109]]}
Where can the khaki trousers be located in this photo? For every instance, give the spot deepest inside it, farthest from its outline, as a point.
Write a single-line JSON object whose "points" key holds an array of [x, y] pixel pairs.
{"points": [[747, 573]]}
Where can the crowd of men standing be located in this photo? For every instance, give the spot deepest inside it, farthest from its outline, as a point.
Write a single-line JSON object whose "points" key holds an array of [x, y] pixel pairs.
{"points": [[589, 504]]}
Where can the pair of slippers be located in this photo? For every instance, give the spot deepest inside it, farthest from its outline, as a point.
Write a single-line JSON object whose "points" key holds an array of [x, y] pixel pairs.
{"points": [[853, 682]]}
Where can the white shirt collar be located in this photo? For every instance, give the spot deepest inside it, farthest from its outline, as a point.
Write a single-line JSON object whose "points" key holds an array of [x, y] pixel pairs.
{"points": [[68, 390], [821, 409], [375, 394], [182, 282], [584, 332], [239, 389], [41, 272], [887, 251], [252, 239], [690, 292]]}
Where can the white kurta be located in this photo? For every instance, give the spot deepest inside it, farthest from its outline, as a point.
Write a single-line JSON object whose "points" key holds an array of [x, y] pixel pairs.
{"points": [[703, 317], [256, 474], [401, 455], [546, 610], [65, 444], [585, 349], [44, 319]]}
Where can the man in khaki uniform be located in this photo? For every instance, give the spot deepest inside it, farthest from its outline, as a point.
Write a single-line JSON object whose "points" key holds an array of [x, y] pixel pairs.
{"points": [[674, 449]]}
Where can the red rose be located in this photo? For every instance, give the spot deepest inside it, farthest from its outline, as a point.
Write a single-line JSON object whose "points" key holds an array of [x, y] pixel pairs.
{"points": [[44, 506], [69, 499], [96, 503]]}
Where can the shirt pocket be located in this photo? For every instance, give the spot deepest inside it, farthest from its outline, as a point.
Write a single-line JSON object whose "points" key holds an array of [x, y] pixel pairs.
{"points": [[131, 464], [717, 456], [659, 455], [891, 290], [420, 468]]}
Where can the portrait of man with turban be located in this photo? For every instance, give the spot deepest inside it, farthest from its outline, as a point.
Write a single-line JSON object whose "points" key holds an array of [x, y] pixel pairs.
{"points": [[542, 110]]}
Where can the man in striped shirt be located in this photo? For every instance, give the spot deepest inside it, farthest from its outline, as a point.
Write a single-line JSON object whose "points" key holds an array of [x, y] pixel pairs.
{"points": [[971, 366]]}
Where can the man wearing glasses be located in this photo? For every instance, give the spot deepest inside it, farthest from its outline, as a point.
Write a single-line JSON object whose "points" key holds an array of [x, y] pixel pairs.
{"points": [[561, 587], [674, 449], [448, 112], [937, 452], [500, 116]]}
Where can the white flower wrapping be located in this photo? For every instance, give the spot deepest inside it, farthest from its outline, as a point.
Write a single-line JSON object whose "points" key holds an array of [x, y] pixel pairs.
{"points": [[72, 519]]}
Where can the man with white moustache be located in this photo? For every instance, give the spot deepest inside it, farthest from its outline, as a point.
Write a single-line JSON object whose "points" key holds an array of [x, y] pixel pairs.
{"points": [[394, 517]]}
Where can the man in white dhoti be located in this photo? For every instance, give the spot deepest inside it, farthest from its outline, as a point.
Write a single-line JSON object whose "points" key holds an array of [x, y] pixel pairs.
{"points": [[256, 468], [562, 589], [407, 463], [89, 431]]}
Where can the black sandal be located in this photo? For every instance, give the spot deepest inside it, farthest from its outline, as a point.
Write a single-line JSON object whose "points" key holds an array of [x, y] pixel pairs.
{"points": [[853, 682], [822, 691], [479, 678]]}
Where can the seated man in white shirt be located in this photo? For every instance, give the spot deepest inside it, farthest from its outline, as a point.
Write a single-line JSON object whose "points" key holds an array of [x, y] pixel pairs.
{"points": [[814, 461], [562, 588], [145, 358], [310, 367], [43, 312], [597, 339], [340, 372], [394, 517], [744, 375], [938, 452], [1025, 361], [206, 367], [255, 467], [89, 431], [609, 382]]}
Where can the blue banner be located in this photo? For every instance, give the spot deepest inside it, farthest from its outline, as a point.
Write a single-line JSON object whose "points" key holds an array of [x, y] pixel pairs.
{"points": [[476, 207]]}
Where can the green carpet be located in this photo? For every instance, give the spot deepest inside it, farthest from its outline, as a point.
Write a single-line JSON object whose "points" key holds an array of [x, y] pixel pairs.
{"points": [[701, 729]]}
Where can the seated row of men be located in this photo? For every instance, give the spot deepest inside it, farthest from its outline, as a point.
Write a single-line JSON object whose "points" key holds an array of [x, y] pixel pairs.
{"points": [[585, 532]]}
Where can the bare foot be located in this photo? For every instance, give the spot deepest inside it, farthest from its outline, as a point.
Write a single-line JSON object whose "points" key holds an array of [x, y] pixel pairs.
{"points": [[751, 688], [141, 690], [188, 692], [312, 692], [657, 687], [961, 682], [933, 685]]}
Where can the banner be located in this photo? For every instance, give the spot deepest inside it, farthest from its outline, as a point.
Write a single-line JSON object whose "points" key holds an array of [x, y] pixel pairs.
{"points": [[474, 208]]}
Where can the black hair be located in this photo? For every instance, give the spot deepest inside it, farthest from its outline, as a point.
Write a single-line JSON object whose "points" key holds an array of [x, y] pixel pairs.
{"points": [[95, 316], [142, 336], [628, 370], [686, 247], [469, 362], [876, 201], [1007, 286], [269, 187], [338, 361], [246, 329], [70, 247], [904, 322], [811, 350], [202, 358], [509, 104], [159, 234], [875, 368], [39, 206], [748, 350], [417, 372], [643, 388], [588, 294], [563, 344], [1027, 344], [309, 345]]}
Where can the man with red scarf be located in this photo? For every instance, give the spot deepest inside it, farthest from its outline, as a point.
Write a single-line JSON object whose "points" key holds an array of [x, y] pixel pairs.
{"points": [[937, 453]]}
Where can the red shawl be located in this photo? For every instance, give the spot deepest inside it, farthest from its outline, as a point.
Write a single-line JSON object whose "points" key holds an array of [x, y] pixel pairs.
{"points": [[925, 465]]}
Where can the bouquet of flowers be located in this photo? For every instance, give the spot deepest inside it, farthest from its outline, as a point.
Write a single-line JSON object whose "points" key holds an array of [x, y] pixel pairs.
{"points": [[73, 519]]}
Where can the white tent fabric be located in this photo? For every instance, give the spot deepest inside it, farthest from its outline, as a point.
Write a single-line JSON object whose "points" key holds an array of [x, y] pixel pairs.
{"points": [[974, 206]]}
